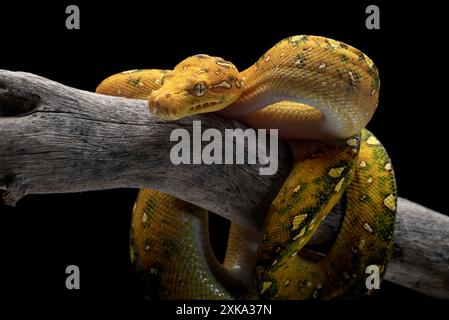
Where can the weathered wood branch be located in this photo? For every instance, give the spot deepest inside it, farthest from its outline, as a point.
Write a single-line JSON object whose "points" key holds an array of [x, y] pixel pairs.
{"points": [[56, 139], [420, 259]]}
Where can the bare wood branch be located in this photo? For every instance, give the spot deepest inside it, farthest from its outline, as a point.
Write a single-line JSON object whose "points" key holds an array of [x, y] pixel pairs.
{"points": [[420, 259], [56, 139]]}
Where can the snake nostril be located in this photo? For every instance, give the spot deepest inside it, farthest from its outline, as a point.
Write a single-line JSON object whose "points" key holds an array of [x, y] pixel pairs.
{"points": [[156, 104]]}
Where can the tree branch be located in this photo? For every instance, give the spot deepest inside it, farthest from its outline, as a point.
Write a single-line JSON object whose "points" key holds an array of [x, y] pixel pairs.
{"points": [[420, 259], [56, 139]]}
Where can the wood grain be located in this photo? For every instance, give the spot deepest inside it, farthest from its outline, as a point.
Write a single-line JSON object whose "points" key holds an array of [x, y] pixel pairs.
{"points": [[56, 139]]}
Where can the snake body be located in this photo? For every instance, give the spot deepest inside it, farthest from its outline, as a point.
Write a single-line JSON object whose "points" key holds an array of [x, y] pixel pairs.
{"points": [[308, 87]]}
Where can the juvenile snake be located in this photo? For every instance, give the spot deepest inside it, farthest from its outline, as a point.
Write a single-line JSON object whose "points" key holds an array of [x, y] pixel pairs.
{"points": [[308, 87]]}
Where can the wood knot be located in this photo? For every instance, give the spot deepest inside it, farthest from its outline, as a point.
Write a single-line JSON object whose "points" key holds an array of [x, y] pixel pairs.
{"points": [[15, 102]]}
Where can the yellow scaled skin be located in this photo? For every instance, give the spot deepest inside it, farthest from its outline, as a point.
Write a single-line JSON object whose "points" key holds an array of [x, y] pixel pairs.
{"points": [[169, 270], [308, 87]]}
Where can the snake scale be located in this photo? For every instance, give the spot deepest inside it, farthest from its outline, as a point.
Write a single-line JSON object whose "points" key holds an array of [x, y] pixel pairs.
{"points": [[320, 94]]}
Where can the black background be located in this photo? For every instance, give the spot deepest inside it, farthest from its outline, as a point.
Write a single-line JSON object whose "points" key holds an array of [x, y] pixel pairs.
{"points": [[45, 233]]}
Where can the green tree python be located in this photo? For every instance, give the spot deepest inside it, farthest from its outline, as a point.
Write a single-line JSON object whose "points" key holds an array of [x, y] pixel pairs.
{"points": [[320, 94]]}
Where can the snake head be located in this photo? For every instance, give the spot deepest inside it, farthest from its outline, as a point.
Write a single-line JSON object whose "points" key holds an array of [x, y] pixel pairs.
{"points": [[198, 84]]}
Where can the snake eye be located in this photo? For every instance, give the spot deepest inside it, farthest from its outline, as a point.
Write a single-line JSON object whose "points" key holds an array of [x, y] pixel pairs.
{"points": [[200, 89]]}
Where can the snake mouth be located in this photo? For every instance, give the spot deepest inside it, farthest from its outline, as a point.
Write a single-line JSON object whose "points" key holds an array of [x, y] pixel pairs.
{"points": [[202, 106], [165, 114]]}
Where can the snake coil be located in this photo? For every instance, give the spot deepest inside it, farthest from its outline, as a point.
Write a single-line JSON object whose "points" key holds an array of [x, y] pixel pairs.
{"points": [[308, 87]]}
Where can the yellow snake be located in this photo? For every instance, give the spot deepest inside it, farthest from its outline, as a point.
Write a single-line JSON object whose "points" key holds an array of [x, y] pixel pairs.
{"points": [[308, 87]]}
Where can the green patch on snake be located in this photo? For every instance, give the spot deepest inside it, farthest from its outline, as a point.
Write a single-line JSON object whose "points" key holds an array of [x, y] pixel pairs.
{"points": [[304, 284], [133, 81], [153, 279], [342, 143], [147, 244], [380, 154], [301, 60], [308, 286], [361, 56], [150, 206], [133, 253], [324, 180], [339, 74], [349, 88], [384, 225], [344, 58], [355, 288], [317, 195], [292, 245], [322, 199], [375, 83], [170, 247], [265, 261], [296, 40]]}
